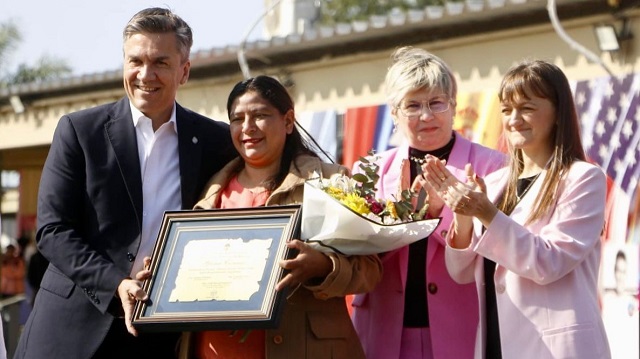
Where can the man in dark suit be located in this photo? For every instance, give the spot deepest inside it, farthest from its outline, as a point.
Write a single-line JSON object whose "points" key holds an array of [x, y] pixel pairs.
{"points": [[110, 174]]}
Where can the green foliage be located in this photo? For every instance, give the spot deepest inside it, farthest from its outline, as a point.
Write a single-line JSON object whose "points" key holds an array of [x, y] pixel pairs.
{"points": [[46, 67], [336, 11], [369, 176], [10, 37], [367, 181], [423, 3]]}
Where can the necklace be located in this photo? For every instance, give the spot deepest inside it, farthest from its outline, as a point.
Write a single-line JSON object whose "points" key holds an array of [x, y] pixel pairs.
{"points": [[422, 160], [418, 160], [418, 157], [531, 180]]}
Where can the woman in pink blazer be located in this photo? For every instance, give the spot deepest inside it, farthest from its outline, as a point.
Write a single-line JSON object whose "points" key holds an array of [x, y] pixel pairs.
{"points": [[532, 242], [417, 311]]}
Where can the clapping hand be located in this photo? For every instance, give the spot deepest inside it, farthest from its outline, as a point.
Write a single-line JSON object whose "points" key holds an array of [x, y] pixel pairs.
{"points": [[464, 198]]}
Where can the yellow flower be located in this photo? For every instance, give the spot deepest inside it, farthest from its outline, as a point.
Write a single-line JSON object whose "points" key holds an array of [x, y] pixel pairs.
{"points": [[358, 194], [334, 192], [391, 208], [356, 203]]}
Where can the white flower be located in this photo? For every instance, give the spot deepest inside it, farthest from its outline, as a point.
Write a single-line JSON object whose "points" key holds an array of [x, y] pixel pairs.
{"points": [[342, 182]]}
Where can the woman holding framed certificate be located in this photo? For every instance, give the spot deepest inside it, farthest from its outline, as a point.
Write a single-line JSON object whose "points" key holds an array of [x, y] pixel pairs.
{"points": [[274, 163]]}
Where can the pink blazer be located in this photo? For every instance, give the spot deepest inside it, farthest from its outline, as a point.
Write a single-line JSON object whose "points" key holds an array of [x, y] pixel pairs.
{"points": [[546, 279], [453, 308]]}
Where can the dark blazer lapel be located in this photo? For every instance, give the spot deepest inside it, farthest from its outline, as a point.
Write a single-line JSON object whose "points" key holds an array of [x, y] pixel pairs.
{"points": [[122, 137], [190, 153]]}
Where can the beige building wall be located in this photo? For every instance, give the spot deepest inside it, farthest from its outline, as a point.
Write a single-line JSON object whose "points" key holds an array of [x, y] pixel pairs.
{"points": [[477, 61], [335, 83]]}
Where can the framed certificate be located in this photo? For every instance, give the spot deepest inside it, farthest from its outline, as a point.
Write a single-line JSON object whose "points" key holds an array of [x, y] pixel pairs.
{"points": [[217, 269]]}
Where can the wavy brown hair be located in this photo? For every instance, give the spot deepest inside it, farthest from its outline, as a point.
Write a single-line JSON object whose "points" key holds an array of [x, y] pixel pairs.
{"points": [[547, 81]]}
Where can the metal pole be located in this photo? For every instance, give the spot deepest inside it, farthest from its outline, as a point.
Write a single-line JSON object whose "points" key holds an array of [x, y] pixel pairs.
{"points": [[242, 60]]}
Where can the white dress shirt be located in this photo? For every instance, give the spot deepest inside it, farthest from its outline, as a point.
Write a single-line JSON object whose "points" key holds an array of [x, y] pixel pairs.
{"points": [[160, 169]]}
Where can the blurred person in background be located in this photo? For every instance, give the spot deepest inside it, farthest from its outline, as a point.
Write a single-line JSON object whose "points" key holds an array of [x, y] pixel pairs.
{"points": [[12, 273], [3, 349]]}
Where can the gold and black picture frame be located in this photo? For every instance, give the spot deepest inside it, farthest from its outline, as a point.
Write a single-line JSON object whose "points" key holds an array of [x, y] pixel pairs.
{"points": [[217, 269]]}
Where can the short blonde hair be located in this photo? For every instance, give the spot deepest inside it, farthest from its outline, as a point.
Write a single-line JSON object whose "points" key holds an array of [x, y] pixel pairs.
{"points": [[414, 69]]}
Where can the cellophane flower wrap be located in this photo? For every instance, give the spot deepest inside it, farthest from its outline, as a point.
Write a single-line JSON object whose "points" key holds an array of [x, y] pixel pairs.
{"points": [[341, 214]]}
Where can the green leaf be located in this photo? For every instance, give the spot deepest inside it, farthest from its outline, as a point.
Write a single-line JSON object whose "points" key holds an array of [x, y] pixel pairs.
{"points": [[359, 177], [422, 212]]}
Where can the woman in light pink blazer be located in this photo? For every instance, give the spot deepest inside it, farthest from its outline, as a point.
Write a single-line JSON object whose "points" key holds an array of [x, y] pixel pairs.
{"points": [[532, 242], [417, 311]]}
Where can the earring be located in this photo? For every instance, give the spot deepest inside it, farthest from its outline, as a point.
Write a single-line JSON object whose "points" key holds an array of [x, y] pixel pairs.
{"points": [[395, 127]]}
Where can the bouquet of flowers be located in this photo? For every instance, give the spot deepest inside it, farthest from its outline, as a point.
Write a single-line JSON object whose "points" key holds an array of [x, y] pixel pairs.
{"points": [[341, 214]]}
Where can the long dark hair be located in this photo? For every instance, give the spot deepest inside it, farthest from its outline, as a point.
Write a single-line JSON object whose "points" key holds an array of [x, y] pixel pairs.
{"points": [[547, 81], [276, 94]]}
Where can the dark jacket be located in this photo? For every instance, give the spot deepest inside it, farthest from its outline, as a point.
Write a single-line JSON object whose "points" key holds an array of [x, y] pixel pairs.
{"points": [[90, 220]]}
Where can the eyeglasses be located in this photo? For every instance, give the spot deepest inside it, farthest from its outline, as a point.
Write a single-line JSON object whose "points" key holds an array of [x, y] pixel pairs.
{"points": [[414, 109]]}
